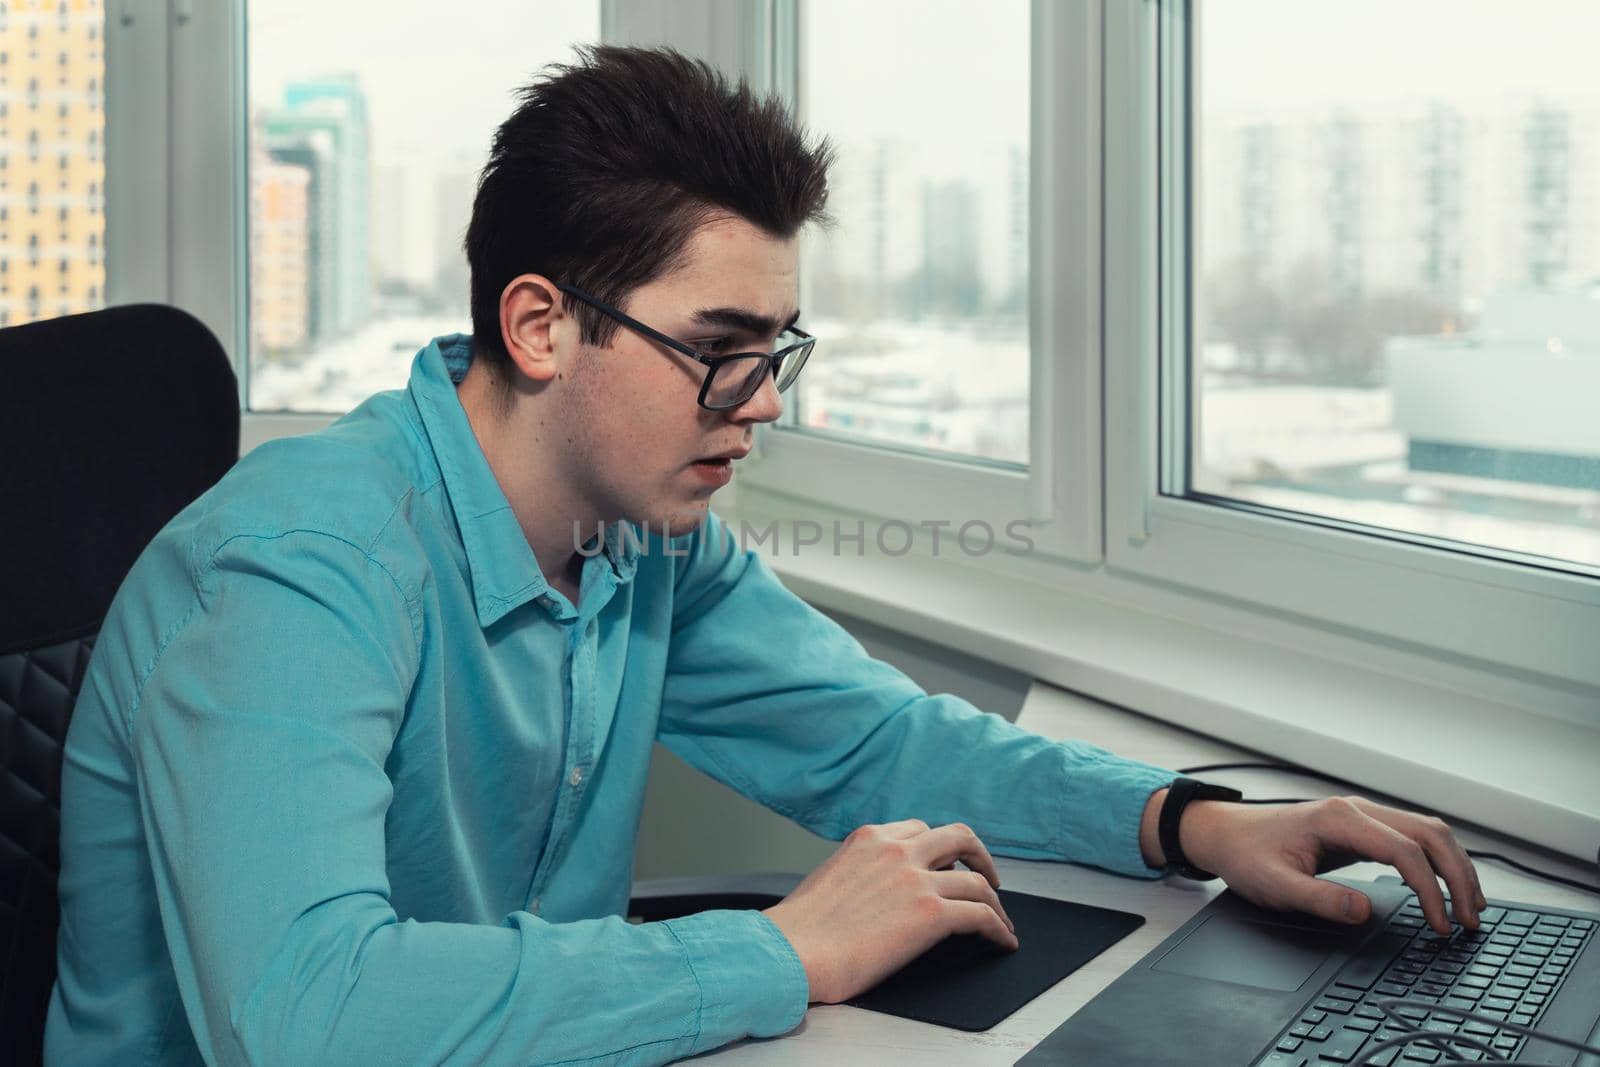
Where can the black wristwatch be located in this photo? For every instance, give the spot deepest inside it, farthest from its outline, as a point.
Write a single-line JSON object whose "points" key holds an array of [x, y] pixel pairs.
{"points": [[1179, 794]]}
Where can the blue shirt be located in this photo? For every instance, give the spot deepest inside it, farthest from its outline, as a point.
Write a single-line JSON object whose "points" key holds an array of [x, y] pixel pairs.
{"points": [[349, 782]]}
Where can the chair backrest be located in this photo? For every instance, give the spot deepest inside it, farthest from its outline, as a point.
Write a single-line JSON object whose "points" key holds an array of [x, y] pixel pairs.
{"points": [[110, 423]]}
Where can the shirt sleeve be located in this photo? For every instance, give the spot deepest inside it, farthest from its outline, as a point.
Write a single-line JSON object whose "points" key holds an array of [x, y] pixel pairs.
{"points": [[774, 699], [260, 741]]}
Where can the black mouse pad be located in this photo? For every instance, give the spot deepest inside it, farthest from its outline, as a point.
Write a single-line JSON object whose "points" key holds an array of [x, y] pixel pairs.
{"points": [[969, 983]]}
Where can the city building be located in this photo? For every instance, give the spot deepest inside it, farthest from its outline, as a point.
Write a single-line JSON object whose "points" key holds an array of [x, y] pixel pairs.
{"points": [[52, 160]]}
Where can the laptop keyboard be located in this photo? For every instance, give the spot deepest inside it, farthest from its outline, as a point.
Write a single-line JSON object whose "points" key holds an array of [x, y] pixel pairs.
{"points": [[1509, 969]]}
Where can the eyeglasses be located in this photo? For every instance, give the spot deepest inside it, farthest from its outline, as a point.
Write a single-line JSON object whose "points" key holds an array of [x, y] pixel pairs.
{"points": [[732, 379]]}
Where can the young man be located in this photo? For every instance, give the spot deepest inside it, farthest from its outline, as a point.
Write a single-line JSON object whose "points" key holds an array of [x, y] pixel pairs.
{"points": [[357, 768]]}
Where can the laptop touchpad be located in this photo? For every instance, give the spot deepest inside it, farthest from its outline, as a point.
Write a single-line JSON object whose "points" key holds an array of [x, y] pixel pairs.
{"points": [[1264, 955]]}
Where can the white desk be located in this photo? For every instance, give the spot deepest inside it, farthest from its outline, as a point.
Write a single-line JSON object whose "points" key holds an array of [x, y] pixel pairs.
{"points": [[834, 1036]]}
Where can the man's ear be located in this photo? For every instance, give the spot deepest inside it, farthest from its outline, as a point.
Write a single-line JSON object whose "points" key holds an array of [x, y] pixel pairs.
{"points": [[531, 310]]}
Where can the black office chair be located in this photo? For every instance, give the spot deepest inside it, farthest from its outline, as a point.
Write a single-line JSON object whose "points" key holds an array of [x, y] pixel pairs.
{"points": [[110, 423]]}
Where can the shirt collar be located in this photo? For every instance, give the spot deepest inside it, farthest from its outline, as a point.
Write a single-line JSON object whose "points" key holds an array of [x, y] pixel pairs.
{"points": [[502, 567]]}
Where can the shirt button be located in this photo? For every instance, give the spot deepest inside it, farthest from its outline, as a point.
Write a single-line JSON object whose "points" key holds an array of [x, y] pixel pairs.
{"points": [[577, 777]]}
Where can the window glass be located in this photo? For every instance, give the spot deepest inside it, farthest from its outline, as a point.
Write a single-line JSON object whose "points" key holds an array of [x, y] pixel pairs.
{"points": [[369, 123], [1396, 267], [919, 294], [50, 164]]}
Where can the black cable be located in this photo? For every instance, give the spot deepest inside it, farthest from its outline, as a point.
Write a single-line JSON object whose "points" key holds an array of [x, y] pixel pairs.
{"points": [[1288, 768], [1525, 869], [1391, 1005]]}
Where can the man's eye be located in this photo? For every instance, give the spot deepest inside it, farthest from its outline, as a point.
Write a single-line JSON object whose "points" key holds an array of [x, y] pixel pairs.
{"points": [[716, 346]]}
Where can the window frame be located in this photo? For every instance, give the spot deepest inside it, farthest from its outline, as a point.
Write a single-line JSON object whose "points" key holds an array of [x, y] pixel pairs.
{"points": [[1518, 617], [1056, 494]]}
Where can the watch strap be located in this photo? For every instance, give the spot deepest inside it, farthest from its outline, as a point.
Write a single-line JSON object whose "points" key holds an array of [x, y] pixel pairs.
{"points": [[1179, 795]]}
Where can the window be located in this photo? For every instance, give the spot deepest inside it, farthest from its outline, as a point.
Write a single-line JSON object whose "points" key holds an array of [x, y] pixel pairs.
{"points": [[957, 300], [1396, 284], [362, 166], [1274, 411], [919, 295]]}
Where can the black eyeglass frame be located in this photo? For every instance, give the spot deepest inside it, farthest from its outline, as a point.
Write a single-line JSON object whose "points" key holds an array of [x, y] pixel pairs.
{"points": [[774, 360]]}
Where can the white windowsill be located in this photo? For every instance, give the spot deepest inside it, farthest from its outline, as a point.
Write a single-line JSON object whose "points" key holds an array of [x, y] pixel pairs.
{"points": [[1479, 747]]}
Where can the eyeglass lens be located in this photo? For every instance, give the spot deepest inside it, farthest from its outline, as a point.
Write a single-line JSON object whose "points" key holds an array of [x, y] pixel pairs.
{"points": [[737, 380]]}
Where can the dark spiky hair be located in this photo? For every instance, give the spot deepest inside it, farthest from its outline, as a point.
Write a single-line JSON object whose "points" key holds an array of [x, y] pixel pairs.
{"points": [[608, 166]]}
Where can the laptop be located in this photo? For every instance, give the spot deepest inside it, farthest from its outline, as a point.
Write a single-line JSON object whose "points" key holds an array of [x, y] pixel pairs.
{"points": [[1239, 985]]}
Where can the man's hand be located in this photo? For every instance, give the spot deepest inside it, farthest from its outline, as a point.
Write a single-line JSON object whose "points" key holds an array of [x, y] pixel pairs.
{"points": [[1270, 854], [886, 896]]}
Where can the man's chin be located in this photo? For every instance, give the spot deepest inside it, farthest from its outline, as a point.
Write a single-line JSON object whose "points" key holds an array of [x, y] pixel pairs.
{"points": [[683, 522]]}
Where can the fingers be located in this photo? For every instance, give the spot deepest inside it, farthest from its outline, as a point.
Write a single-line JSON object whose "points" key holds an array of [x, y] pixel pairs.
{"points": [[970, 885], [904, 828], [1443, 851], [1346, 825], [944, 845], [971, 917], [1330, 900]]}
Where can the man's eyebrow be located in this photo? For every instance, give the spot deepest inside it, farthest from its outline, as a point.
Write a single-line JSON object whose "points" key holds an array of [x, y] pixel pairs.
{"points": [[743, 319]]}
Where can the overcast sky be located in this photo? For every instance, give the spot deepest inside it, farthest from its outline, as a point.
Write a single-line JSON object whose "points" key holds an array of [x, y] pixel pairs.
{"points": [[1298, 52], [439, 77]]}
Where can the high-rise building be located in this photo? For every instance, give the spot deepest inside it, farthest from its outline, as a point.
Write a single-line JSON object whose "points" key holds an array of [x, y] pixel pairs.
{"points": [[280, 254], [52, 159], [949, 285], [323, 127], [453, 192], [1449, 201]]}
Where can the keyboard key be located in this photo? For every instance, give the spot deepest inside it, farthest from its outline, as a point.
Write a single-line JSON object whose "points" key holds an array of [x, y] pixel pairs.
{"points": [[1522, 1018], [1554, 920], [1460, 1003], [1527, 918], [1289, 1044], [1369, 1011], [1382, 1059], [1368, 964], [1390, 989], [1313, 1017], [1541, 939], [1344, 1046], [1477, 1029], [1321, 1033], [1366, 1026], [1474, 981], [1333, 1006], [1511, 981], [1300, 1030], [1492, 915], [1282, 1059], [1421, 1054], [1498, 1004]]}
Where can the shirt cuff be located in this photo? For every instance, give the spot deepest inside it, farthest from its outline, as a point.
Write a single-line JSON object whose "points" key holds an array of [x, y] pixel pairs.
{"points": [[1102, 811], [751, 982]]}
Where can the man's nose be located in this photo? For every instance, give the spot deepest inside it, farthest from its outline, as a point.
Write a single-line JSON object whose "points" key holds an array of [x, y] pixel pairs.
{"points": [[764, 405]]}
